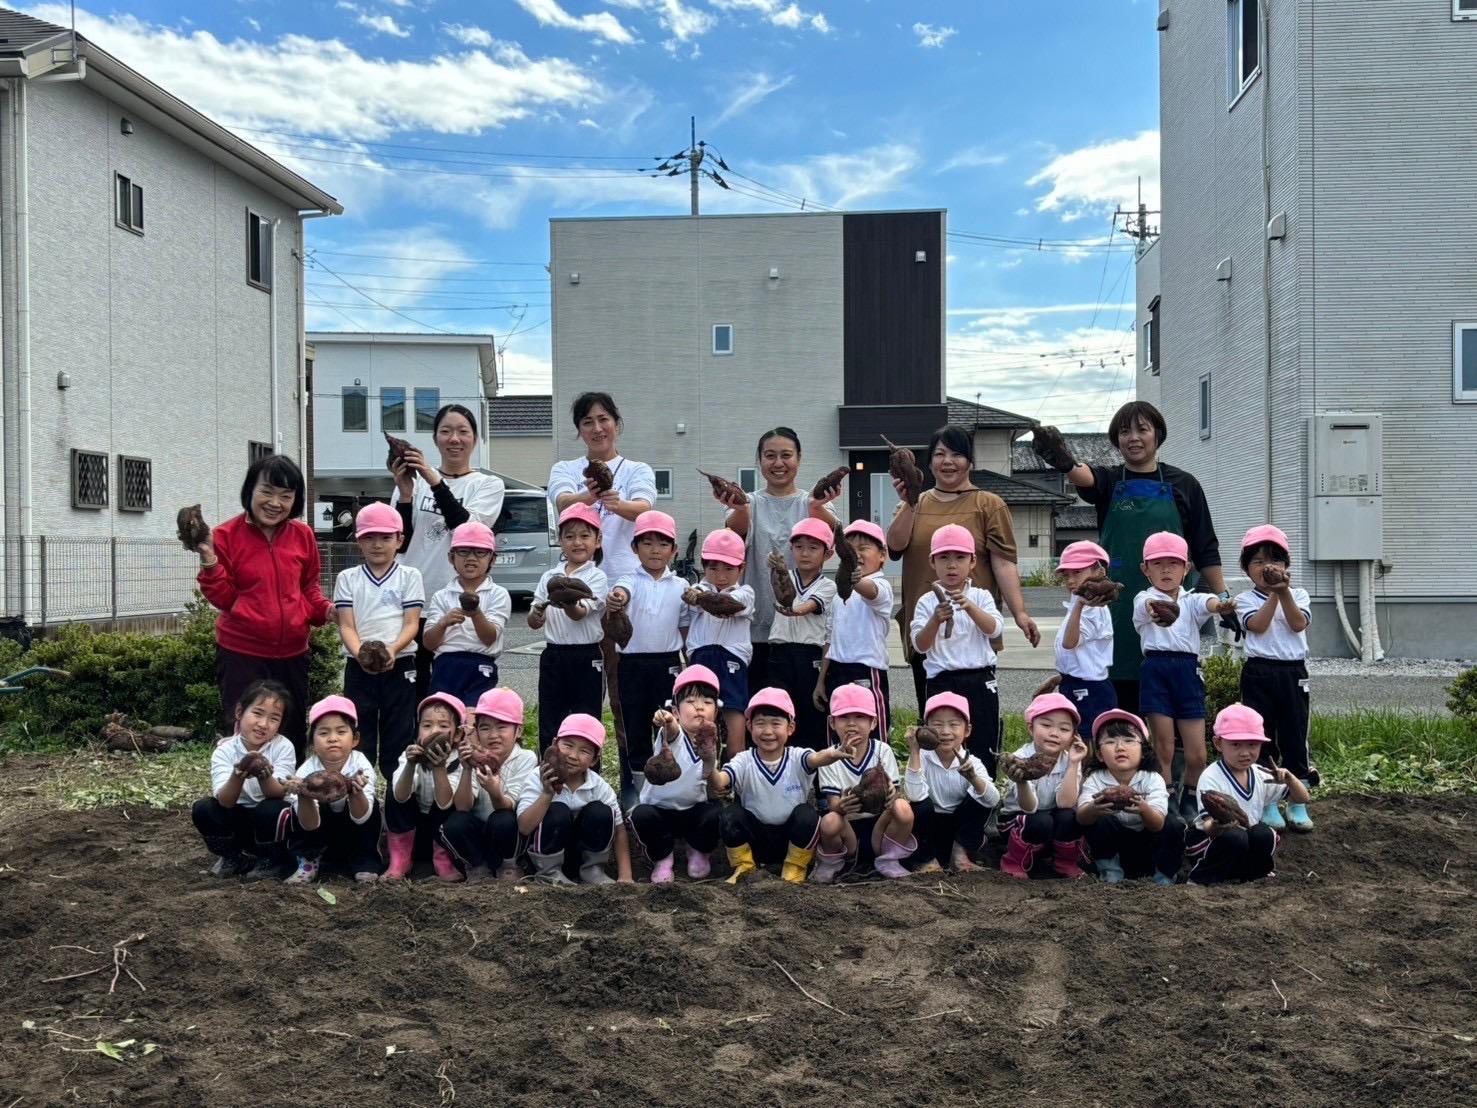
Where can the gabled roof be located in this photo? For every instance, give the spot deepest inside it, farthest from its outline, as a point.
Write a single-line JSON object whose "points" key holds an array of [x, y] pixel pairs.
{"points": [[1016, 492], [520, 415], [1091, 447], [1077, 517], [964, 413]]}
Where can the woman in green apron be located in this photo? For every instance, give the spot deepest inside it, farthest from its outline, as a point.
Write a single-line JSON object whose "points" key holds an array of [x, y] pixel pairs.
{"points": [[1133, 501]]}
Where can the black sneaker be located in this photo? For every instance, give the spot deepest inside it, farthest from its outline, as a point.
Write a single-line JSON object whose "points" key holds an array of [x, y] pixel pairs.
{"points": [[231, 865], [267, 869]]}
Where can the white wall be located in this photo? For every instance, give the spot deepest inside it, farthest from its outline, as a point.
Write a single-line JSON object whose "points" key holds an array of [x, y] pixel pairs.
{"points": [[525, 457]]}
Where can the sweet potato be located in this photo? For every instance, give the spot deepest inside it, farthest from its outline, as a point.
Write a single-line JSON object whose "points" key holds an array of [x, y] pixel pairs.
{"points": [[926, 737], [469, 601], [1038, 765], [714, 603], [1164, 612], [398, 448], [662, 768], [254, 764], [1048, 444], [902, 466], [599, 474], [617, 627], [1121, 797], [1099, 591], [324, 786], [374, 656], [944, 599], [565, 592], [829, 483], [871, 791], [846, 564], [726, 491], [780, 581], [1223, 809], [191, 528]]}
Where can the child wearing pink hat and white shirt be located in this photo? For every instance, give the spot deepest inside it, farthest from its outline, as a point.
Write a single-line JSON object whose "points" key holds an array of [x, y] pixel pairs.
{"points": [[950, 790], [723, 643], [571, 671], [573, 820], [345, 830], [467, 643], [857, 652], [1171, 690], [1084, 641], [799, 633], [1143, 837], [481, 832], [420, 795], [1241, 849], [954, 637], [1040, 816]]}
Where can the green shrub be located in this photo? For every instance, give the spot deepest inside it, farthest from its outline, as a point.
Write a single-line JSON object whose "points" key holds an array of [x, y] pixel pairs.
{"points": [[1042, 577], [1222, 675], [1461, 696]]}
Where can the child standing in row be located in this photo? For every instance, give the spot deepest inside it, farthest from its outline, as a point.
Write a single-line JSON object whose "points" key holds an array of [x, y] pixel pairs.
{"points": [[379, 608], [1041, 813], [949, 789], [420, 793], [959, 657], [465, 620], [857, 653], [574, 817], [344, 829], [723, 642], [1274, 679], [570, 669], [482, 831], [1131, 835], [1084, 642], [798, 635], [851, 837]]}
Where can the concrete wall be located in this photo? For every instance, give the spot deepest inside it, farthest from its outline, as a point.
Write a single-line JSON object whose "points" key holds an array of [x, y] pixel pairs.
{"points": [[992, 450], [1032, 522], [525, 457], [1146, 288]]}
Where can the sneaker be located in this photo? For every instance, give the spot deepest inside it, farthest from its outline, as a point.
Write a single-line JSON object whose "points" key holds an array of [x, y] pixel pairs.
{"points": [[305, 874], [1110, 870], [1297, 815], [231, 865], [1272, 817], [270, 868], [366, 876], [1163, 879]]}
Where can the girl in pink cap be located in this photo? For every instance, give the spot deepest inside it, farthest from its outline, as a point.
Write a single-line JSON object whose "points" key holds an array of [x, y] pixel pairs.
{"points": [[1171, 691], [465, 619], [345, 830], [949, 789], [1040, 815], [573, 820], [857, 652], [797, 637], [570, 669], [420, 794], [1230, 841], [1134, 837], [1084, 641], [953, 635], [1274, 680], [482, 830], [722, 642]]}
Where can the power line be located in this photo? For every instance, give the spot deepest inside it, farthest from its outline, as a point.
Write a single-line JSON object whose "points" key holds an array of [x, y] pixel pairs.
{"points": [[423, 158], [423, 307], [447, 149], [461, 173], [437, 261]]}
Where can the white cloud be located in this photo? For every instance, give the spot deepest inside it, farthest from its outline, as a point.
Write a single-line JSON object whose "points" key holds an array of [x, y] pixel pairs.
{"points": [[931, 36], [468, 34], [381, 24], [779, 13], [846, 180], [974, 157], [550, 13], [759, 86], [1101, 176]]}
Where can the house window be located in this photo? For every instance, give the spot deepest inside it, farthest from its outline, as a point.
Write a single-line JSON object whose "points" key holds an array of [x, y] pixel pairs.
{"points": [[663, 483], [1151, 338], [256, 451], [1243, 45], [392, 409], [748, 479], [1205, 405], [128, 205], [1035, 540], [723, 338], [135, 484], [89, 480], [427, 404], [1464, 361], [356, 408], [1463, 10], [258, 251]]}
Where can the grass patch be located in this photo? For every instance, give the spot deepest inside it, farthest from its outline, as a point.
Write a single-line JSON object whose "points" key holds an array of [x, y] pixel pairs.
{"points": [[1391, 752], [1042, 577], [175, 779]]}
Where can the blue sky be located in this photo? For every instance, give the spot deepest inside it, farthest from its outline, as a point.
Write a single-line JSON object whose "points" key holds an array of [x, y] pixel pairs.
{"points": [[452, 131]]}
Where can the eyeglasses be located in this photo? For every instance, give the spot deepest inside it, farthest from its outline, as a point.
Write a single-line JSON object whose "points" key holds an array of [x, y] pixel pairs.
{"points": [[464, 552], [1119, 740]]}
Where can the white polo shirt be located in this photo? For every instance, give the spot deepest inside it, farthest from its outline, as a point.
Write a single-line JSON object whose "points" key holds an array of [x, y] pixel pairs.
{"points": [[481, 494], [633, 480], [494, 602], [768, 792], [559, 629], [1184, 633], [944, 785], [656, 611], [813, 629], [423, 788], [1090, 658], [837, 777], [593, 790], [689, 789], [519, 773], [379, 604], [968, 647], [1045, 787], [356, 764], [859, 626], [1263, 793], [729, 632], [1146, 784], [1279, 641], [223, 763]]}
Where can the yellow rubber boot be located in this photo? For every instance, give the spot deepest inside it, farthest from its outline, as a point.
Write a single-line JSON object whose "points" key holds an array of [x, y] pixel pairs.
{"points": [[741, 858], [797, 861]]}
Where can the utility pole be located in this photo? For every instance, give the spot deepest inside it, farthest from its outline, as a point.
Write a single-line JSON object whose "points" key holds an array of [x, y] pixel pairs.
{"points": [[690, 161], [1136, 222], [694, 160]]}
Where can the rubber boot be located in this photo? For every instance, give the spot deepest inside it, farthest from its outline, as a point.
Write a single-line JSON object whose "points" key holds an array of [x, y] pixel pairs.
{"points": [[274, 865], [232, 865], [549, 868], [444, 865], [478, 874], [1066, 855], [592, 868], [1272, 817], [741, 858], [1110, 870], [661, 872], [797, 861], [401, 846], [305, 874], [510, 871], [889, 861], [828, 867], [1019, 855], [1297, 816], [698, 864]]}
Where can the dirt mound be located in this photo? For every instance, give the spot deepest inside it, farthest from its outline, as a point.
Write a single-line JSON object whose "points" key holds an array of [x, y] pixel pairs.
{"points": [[966, 990]]}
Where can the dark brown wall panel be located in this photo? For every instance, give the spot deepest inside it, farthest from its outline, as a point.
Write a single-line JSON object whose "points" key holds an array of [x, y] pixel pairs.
{"points": [[894, 308]]}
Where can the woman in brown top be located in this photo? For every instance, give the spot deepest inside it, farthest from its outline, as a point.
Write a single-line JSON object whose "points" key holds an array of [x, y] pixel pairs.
{"points": [[954, 500]]}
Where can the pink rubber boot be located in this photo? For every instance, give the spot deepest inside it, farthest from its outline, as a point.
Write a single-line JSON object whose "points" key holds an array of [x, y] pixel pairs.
{"points": [[1066, 859], [698, 865], [402, 847], [889, 861], [444, 865], [661, 872], [1019, 855], [828, 867]]}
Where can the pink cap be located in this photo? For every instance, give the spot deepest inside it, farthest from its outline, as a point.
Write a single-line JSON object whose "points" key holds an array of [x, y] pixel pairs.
{"points": [[1166, 544], [946, 700], [1239, 723], [1258, 535], [473, 536], [771, 698], [377, 519], [582, 513], [850, 700], [1118, 713], [812, 528], [1051, 702], [578, 725], [1082, 555], [871, 530], [655, 523], [503, 705], [452, 702], [724, 546], [951, 538], [695, 675], [330, 704]]}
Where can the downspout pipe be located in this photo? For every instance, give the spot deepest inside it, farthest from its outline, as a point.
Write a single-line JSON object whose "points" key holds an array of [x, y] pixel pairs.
{"points": [[1266, 59], [22, 305], [272, 347]]}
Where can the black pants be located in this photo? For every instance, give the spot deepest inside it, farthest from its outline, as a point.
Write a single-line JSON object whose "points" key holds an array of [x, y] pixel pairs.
{"points": [[760, 675], [980, 688], [241, 829], [1054, 825], [645, 684], [1140, 851], [475, 841], [588, 831], [423, 660], [770, 842], [874, 680], [386, 706], [1279, 691], [658, 829], [937, 832], [920, 675], [570, 679], [406, 815], [795, 667], [338, 840], [1128, 694], [234, 673], [1240, 854]]}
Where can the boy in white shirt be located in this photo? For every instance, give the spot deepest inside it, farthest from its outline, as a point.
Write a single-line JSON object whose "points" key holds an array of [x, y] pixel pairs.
{"points": [[574, 818], [799, 633], [721, 609], [343, 827], [1084, 641], [494, 770], [465, 620], [949, 789], [857, 652]]}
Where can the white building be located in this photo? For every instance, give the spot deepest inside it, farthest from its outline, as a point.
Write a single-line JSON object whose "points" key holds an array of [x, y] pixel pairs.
{"points": [[520, 437], [151, 308]]}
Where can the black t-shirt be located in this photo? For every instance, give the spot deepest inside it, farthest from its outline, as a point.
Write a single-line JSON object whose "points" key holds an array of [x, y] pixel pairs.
{"points": [[1189, 498]]}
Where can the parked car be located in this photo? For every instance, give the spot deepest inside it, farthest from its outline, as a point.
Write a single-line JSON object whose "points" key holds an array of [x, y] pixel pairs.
{"points": [[527, 545]]}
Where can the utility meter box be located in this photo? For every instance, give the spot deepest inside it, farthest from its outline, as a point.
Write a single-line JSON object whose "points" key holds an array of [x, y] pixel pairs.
{"points": [[1346, 498]]}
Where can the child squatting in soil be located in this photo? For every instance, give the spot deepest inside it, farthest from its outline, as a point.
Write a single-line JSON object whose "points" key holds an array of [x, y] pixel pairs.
{"points": [[797, 637], [244, 819], [494, 772], [379, 608], [949, 789], [722, 642], [1133, 834], [1084, 641], [344, 830], [1039, 815], [857, 652], [678, 807], [574, 818], [465, 620], [420, 794]]}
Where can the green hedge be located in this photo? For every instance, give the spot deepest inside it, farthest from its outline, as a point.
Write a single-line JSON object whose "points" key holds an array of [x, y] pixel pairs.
{"points": [[156, 679]]}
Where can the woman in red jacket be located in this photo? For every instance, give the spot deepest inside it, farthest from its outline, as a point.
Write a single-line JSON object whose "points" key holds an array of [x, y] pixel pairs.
{"points": [[261, 570]]}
